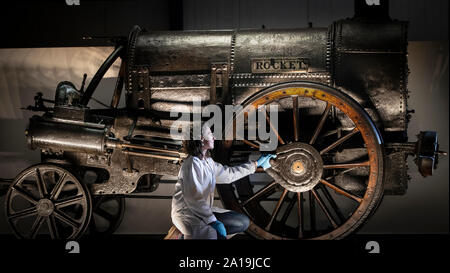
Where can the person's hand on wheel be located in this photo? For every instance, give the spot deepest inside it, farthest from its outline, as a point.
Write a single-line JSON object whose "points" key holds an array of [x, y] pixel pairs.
{"points": [[264, 159], [219, 226]]}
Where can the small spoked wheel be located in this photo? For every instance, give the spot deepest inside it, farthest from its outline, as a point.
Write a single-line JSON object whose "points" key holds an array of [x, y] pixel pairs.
{"points": [[327, 178], [48, 201], [107, 214]]}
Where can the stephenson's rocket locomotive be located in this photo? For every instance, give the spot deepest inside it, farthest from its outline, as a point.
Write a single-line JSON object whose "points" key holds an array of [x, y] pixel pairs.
{"points": [[343, 113]]}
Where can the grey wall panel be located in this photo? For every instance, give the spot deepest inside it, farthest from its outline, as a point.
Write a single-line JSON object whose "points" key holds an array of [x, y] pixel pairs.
{"points": [[428, 20]]}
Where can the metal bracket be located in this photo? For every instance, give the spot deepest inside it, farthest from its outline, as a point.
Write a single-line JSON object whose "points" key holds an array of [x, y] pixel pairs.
{"points": [[101, 160], [222, 69], [132, 127], [141, 94]]}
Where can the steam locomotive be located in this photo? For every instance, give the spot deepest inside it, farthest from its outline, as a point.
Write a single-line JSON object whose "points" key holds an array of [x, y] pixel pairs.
{"points": [[343, 113]]}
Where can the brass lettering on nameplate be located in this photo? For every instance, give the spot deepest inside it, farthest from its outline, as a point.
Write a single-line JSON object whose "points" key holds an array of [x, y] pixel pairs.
{"points": [[280, 65]]}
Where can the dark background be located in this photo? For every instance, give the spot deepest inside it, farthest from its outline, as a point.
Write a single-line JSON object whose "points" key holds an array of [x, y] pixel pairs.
{"points": [[30, 28], [30, 23]]}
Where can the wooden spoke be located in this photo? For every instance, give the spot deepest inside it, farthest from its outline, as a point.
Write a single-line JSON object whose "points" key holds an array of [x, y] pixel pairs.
{"points": [[66, 219], [275, 211], [338, 174], [36, 226], [104, 214], [98, 202], [347, 165], [341, 191], [52, 177], [51, 222], [25, 195], [288, 210], [321, 123], [234, 129], [273, 128], [40, 184], [69, 201], [58, 187], [340, 141], [260, 192], [312, 209], [250, 143], [324, 208], [24, 213], [92, 225], [332, 202], [295, 116], [300, 215], [111, 210]]}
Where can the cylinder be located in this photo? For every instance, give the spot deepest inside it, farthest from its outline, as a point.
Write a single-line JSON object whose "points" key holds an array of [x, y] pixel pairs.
{"points": [[56, 136]]}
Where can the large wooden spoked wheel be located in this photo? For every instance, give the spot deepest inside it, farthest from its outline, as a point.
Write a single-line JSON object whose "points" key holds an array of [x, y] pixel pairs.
{"points": [[48, 201], [327, 178]]}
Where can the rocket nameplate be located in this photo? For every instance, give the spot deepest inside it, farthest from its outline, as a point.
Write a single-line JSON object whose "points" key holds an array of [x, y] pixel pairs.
{"points": [[280, 65]]}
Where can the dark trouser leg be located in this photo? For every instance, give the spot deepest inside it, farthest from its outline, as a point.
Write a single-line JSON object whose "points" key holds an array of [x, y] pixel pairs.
{"points": [[234, 222]]}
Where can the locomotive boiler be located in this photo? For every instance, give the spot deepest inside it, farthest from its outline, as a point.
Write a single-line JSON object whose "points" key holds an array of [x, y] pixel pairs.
{"points": [[342, 137]]}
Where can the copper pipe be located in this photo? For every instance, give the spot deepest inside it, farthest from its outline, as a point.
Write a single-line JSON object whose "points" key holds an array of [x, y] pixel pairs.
{"points": [[140, 147], [152, 155]]}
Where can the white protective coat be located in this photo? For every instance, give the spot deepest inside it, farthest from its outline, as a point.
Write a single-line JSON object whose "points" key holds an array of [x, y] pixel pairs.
{"points": [[192, 202]]}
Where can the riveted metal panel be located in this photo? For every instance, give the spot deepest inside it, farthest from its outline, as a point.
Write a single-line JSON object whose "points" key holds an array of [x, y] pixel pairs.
{"points": [[182, 50], [373, 66], [309, 44]]}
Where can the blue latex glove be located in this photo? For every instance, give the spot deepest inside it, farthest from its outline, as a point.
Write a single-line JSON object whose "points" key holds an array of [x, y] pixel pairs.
{"points": [[263, 161], [219, 226]]}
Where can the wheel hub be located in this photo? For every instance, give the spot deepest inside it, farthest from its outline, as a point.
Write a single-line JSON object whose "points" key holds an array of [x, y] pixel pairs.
{"points": [[299, 165], [45, 207]]}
